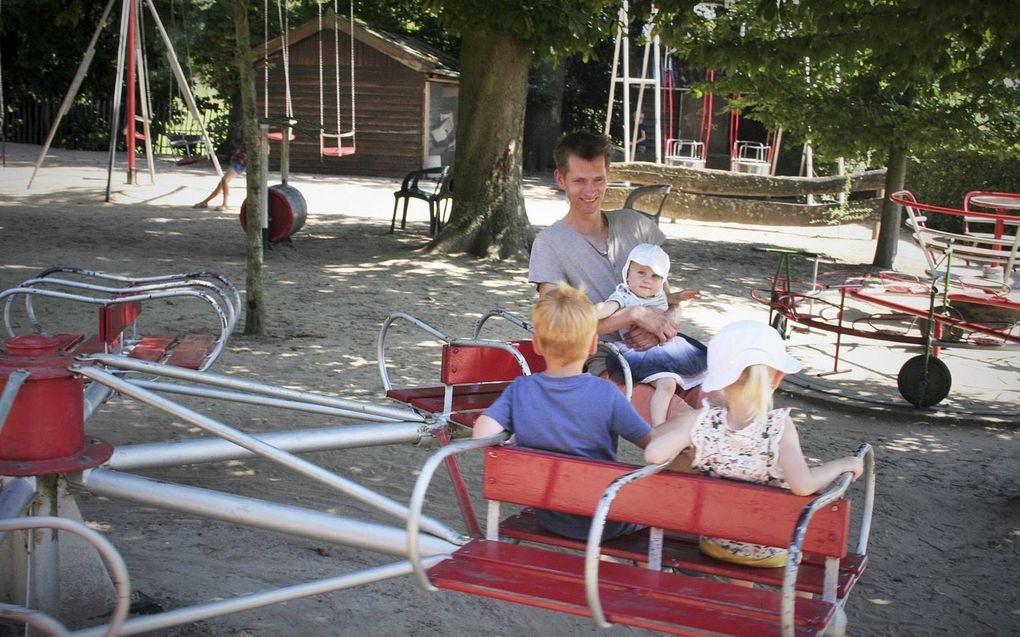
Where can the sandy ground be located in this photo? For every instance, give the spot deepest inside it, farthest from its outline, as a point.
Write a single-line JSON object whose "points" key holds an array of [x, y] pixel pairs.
{"points": [[944, 547]]}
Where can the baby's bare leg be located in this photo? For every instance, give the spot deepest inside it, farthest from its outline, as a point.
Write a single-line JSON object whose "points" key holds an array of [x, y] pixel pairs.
{"points": [[659, 404]]}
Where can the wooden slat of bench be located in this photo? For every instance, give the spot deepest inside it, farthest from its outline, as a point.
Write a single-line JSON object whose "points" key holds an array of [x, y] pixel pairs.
{"points": [[191, 350], [152, 348], [462, 402], [466, 418], [69, 341], [93, 345], [667, 602], [696, 504], [406, 395], [681, 551]]}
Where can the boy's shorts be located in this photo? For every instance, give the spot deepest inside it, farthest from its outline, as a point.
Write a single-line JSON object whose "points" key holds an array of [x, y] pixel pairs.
{"points": [[237, 167], [576, 526]]}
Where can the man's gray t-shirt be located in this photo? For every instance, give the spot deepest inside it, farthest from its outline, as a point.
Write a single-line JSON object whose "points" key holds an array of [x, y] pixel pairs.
{"points": [[560, 253]]}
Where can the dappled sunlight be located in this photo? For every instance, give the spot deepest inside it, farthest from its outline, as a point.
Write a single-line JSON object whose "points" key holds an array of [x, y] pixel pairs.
{"points": [[918, 443]]}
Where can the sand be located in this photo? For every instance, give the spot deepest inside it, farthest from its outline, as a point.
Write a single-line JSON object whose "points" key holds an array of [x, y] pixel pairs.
{"points": [[944, 546]]}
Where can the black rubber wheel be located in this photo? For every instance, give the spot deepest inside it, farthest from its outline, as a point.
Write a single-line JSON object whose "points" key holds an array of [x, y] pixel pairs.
{"points": [[782, 325], [919, 390]]}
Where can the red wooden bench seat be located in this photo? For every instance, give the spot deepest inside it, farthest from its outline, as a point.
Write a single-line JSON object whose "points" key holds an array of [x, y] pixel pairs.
{"points": [[665, 602], [472, 376], [685, 506], [680, 551], [181, 350]]}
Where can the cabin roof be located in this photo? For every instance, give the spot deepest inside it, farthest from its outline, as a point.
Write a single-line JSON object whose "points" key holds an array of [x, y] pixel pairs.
{"points": [[410, 52]]}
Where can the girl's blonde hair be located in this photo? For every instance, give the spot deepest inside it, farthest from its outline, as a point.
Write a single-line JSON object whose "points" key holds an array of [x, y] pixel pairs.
{"points": [[565, 322], [751, 393]]}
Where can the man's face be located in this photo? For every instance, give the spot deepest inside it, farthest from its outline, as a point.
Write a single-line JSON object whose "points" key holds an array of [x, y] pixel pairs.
{"points": [[585, 184]]}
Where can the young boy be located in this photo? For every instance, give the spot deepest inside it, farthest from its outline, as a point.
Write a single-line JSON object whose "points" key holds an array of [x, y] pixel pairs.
{"points": [[563, 409]]}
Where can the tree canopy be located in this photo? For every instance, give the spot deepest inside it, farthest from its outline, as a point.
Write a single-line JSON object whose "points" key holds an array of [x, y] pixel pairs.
{"points": [[863, 79]]}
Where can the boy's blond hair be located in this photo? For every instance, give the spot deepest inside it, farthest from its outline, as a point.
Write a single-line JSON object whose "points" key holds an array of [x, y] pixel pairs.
{"points": [[565, 323]]}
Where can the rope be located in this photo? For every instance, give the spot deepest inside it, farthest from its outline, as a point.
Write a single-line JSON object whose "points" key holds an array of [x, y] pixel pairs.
{"points": [[265, 58], [352, 67], [284, 20], [319, 39], [336, 61], [145, 65], [3, 108]]}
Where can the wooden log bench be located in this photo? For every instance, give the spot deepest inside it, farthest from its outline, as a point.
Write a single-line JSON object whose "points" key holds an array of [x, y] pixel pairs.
{"points": [[677, 505]]}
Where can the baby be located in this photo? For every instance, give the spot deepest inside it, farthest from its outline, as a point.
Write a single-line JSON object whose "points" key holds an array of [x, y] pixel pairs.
{"points": [[680, 360]]}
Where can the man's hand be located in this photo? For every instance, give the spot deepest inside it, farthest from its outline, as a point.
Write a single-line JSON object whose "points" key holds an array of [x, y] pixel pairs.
{"points": [[650, 328]]}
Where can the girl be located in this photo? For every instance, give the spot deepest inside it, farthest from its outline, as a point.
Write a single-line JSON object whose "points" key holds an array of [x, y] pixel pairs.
{"points": [[746, 439]]}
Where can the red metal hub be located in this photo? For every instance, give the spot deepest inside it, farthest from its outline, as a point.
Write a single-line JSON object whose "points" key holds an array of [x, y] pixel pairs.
{"points": [[45, 430]]}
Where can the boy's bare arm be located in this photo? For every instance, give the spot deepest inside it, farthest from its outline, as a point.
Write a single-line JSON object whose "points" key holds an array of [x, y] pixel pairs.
{"points": [[485, 427]]}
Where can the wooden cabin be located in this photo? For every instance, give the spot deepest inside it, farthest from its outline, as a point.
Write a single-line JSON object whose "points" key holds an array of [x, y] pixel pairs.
{"points": [[404, 99]]}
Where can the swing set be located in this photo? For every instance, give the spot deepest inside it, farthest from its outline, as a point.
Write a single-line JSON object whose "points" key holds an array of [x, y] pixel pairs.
{"points": [[132, 77], [336, 141], [284, 209]]}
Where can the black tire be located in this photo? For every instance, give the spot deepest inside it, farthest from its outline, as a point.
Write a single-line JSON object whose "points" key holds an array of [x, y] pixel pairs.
{"points": [[782, 325], [924, 390]]}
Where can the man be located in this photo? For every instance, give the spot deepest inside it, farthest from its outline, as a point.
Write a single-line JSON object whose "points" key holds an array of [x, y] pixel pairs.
{"points": [[589, 248]]}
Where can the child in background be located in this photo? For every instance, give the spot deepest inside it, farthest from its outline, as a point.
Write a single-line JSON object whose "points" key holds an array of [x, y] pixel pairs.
{"points": [[747, 439], [680, 360], [564, 409], [238, 163]]}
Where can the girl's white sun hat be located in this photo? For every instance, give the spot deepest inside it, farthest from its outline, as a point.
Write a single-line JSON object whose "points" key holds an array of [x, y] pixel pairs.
{"points": [[741, 344]]}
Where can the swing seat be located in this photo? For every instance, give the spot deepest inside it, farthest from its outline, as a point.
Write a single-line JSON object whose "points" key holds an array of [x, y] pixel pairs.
{"points": [[277, 135], [685, 152], [340, 150]]}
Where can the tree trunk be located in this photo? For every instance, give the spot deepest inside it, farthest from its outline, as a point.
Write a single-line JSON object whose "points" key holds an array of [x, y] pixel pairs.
{"points": [[889, 232], [543, 119], [254, 324], [488, 217]]}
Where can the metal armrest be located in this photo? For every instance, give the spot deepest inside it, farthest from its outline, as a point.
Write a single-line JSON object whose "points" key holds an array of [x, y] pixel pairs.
{"points": [[598, 523], [501, 313], [380, 349], [421, 486]]}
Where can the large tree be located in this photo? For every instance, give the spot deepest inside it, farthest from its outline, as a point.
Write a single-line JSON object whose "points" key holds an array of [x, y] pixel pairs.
{"points": [[865, 78], [500, 41]]}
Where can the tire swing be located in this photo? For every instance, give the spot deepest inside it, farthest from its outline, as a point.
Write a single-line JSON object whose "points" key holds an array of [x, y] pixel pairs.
{"points": [[287, 212]]}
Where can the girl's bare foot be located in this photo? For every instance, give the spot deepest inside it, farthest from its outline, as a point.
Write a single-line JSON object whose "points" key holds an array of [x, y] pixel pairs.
{"points": [[201, 204]]}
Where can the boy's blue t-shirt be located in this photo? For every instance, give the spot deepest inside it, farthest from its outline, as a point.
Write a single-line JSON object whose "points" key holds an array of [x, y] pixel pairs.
{"points": [[581, 415]]}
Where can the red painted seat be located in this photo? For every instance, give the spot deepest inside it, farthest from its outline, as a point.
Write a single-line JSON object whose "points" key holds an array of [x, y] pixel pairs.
{"points": [[684, 506]]}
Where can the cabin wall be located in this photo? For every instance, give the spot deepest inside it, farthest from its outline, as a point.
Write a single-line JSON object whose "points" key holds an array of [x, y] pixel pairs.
{"points": [[389, 108]]}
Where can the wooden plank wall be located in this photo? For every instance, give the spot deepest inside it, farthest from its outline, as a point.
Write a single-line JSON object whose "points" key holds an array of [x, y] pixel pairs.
{"points": [[390, 100]]}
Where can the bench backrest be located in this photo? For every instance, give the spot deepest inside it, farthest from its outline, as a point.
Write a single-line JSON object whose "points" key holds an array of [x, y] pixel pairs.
{"points": [[478, 364], [677, 501], [115, 318]]}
